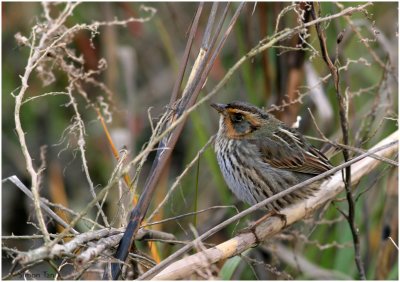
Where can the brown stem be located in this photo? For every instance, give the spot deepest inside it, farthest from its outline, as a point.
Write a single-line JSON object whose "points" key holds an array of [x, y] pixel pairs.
{"points": [[345, 131]]}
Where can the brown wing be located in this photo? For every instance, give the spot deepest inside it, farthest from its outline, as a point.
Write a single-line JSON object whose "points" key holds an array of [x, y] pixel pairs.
{"points": [[287, 149]]}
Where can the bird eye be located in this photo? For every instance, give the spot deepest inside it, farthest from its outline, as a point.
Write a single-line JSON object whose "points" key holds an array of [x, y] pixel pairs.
{"points": [[237, 117]]}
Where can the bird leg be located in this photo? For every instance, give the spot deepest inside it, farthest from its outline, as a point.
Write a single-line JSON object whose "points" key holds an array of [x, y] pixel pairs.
{"points": [[252, 226]]}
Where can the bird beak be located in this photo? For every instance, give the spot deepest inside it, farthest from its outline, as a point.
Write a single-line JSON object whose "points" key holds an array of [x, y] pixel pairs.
{"points": [[219, 107]]}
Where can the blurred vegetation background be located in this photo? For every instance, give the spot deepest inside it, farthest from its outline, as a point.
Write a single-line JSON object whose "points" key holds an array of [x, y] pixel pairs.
{"points": [[142, 64]]}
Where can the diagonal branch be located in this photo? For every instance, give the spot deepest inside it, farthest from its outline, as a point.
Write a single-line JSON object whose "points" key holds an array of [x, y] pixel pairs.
{"points": [[15, 180]]}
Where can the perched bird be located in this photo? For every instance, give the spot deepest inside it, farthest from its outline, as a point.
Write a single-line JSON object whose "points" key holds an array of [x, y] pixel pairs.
{"points": [[259, 156]]}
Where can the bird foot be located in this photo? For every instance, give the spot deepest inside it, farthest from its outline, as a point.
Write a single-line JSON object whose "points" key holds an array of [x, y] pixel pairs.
{"points": [[252, 227]]}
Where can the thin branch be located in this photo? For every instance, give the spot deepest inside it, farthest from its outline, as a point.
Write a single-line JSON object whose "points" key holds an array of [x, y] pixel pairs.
{"points": [[281, 14], [366, 44], [24, 237], [80, 125], [393, 242], [185, 58], [14, 179], [179, 178], [44, 95], [70, 211], [186, 214], [297, 261], [340, 145]]}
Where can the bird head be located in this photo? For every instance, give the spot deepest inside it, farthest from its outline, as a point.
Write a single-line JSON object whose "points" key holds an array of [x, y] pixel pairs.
{"points": [[239, 119]]}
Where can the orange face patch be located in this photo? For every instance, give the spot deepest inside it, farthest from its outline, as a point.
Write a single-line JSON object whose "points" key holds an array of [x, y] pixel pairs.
{"points": [[230, 130], [250, 118]]}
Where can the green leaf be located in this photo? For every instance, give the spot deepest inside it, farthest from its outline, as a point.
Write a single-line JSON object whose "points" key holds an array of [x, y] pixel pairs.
{"points": [[230, 266]]}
